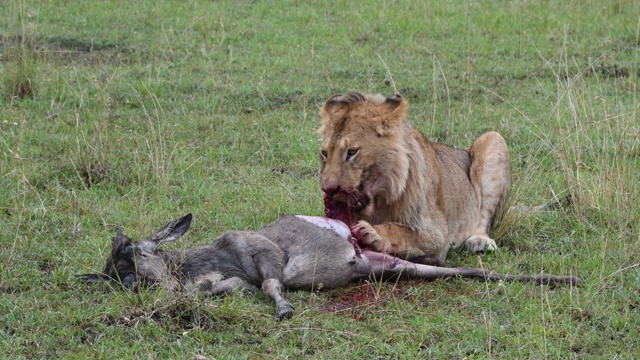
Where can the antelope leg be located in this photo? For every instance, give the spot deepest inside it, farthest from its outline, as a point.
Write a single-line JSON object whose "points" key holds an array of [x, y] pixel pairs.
{"points": [[383, 267], [273, 289]]}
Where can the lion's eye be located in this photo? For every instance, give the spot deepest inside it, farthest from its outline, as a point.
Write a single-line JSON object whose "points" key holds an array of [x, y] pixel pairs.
{"points": [[323, 155], [351, 153]]}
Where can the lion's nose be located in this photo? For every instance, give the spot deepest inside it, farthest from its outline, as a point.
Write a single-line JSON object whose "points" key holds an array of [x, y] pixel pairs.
{"points": [[330, 189]]}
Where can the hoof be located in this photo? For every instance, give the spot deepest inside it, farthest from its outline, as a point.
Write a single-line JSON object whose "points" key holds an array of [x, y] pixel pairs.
{"points": [[284, 311]]}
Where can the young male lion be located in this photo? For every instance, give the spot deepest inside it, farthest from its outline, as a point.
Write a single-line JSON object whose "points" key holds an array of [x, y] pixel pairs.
{"points": [[408, 196]]}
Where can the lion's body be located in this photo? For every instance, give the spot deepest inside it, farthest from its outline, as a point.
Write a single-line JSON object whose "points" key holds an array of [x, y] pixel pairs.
{"points": [[408, 196]]}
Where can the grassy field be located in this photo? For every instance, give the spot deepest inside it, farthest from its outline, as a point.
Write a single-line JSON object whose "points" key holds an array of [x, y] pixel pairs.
{"points": [[134, 113]]}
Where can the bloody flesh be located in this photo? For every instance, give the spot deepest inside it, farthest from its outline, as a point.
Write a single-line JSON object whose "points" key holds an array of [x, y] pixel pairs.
{"points": [[340, 211], [337, 210]]}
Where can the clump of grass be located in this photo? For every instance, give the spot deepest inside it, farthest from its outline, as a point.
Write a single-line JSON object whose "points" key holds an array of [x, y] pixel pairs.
{"points": [[20, 73], [20, 59], [599, 159]]}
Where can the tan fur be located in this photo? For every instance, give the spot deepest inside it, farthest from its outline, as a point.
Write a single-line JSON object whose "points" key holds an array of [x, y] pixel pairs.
{"points": [[408, 196]]}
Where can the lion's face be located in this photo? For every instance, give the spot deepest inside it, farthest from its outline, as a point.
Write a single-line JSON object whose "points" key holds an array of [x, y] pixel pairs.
{"points": [[362, 154]]}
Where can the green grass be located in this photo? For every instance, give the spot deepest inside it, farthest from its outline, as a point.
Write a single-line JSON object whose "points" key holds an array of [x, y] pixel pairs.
{"points": [[144, 111]]}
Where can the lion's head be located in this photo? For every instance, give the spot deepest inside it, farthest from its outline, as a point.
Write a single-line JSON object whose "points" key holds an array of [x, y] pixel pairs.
{"points": [[363, 154]]}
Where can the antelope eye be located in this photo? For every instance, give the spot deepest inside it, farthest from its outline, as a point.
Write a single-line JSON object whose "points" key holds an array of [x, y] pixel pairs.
{"points": [[124, 253], [323, 154]]}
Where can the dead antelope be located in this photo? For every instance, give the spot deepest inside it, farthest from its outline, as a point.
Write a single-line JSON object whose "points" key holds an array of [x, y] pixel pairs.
{"points": [[294, 252]]}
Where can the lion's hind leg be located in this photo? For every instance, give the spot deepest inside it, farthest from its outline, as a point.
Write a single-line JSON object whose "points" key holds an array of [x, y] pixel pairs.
{"points": [[490, 175]]}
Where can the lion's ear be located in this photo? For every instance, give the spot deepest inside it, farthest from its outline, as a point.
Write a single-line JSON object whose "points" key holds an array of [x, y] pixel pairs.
{"points": [[396, 105], [341, 101], [335, 104], [395, 111]]}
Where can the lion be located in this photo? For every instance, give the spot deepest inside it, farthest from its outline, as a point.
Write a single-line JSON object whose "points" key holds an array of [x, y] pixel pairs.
{"points": [[407, 196]]}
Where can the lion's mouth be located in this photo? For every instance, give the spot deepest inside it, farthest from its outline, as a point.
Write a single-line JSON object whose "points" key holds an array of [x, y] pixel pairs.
{"points": [[358, 201], [341, 205]]}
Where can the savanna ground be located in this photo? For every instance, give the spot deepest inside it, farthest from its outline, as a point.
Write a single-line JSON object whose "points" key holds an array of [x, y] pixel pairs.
{"points": [[133, 113]]}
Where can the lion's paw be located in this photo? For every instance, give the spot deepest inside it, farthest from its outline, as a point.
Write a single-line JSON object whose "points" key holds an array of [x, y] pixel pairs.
{"points": [[365, 233], [367, 236], [480, 243]]}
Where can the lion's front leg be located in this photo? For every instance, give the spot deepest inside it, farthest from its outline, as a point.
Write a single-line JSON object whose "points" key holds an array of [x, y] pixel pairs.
{"points": [[399, 241]]}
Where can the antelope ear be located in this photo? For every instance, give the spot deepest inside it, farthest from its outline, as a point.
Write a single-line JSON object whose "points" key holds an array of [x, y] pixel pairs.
{"points": [[172, 231]]}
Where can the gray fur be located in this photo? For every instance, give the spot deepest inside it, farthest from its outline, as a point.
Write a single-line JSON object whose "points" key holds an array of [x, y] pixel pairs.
{"points": [[317, 258], [289, 253]]}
